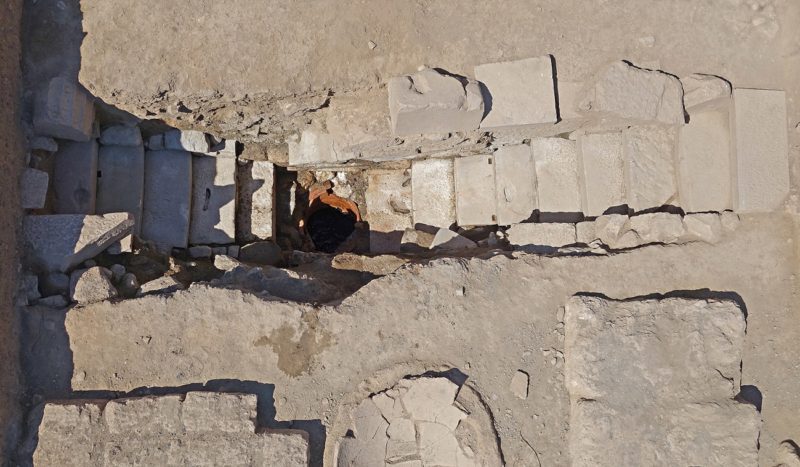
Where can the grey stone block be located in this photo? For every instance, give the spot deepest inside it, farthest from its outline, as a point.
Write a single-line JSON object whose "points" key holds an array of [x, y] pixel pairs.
{"points": [[33, 188], [515, 179], [433, 192], [186, 140], [213, 218], [155, 142], [75, 178], [475, 190], [255, 213], [120, 181], [167, 198], [121, 135], [200, 251], [65, 111]]}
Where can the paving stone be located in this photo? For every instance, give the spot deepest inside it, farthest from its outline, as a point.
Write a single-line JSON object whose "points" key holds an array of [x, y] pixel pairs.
{"points": [[162, 285], [521, 92], [558, 185], [761, 165], [75, 178], [515, 181], [650, 162], [121, 135], [120, 181], [167, 198], [569, 94], [65, 111], [657, 227], [550, 234], [446, 239], [213, 218], [519, 384], [437, 444], [186, 140], [128, 285], [33, 188], [255, 214], [91, 285], [432, 102], [475, 190], [219, 412], [200, 251], [701, 90], [389, 204], [61, 241], [705, 227], [630, 93], [44, 143], [433, 192], [602, 171], [391, 408]]}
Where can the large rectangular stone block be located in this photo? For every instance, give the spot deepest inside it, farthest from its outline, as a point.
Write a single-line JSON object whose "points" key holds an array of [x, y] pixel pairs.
{"points": [[33, 188], [602, 172], [476, 202], [146, 415], [219, 412], [515, 182], [389, 202], [558, 187], [649, 153], [120, 181], [167, 198], [213, 217], [761, 150], [433, 192], [65, 111], [255, 214], [75, 178]]}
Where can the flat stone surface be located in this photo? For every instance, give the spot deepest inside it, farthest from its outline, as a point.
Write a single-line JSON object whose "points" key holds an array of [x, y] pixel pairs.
{"points": [[548, 234], [162, 285], [312, 146], [700, 91], [75, 178], [602, 172], [65, 111], [475, 190], [217, 412], [433, 193], [91, 285], [704, 227], [515, 181], [649, 153], [44, 143], [255, 214], [213, 218], [446, 239], [521, 92], [389, 207], [657, 227], [167, 198], [760, 150], [432, 102], [121, 135], [186, 140], [120, 181], [264, 253], [33, 188], [557, 181], [704, 160]]}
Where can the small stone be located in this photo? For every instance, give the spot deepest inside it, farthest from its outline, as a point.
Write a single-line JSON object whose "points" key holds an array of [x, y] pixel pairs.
{"points": [[265, 253], [225, 263], [162, 285], [128, 285], [200, 251], [706, 227], [53, 301], [33, 188], [117, 271], [446, 239], [371, 45], [191, 141], [700, 90], [44, 143], [121, 135], [519, 384], [91, 285]]}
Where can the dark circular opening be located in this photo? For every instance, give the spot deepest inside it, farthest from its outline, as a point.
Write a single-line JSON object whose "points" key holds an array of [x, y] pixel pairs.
{"points": [[330, 227]]}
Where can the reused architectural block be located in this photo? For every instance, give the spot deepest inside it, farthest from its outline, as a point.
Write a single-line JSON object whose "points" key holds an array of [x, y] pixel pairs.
{"points": [[431, 102], [515, 181], [602, 171], [33, 188], [704, 161], [213, 218], [255, 214], [650, 167], [64, 111], [557, 181], [167, 198], [75, 178], [521, 92], [761, 150], [475, 190], [433, 192], [389, 202], [120, 181]]}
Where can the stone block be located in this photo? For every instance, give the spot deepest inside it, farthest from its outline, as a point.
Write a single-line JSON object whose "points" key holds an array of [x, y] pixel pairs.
{"points": [[162, 285], [312, 146], [433, 193], [146, 415], [264, 253], [121, 135], [219, 412], [75, 178], [521, 92], [519, 384], [558, 185], [657, 227], [586, 232], [650, 167], [120, 181], [167, 198], [213, 218], [548, 234], [60, 242], [255, 214], [432, 102], [475, 190], [200, 251], [389, 203], [224, 148], [700, 91], [156, 142], [44, 143], [704, 227], [634, 94], [569, 94], [602, 172], [33, 188], [446, 239], [91, 285], [64, 111], [760, 150], [515, 182], [186, 140]]}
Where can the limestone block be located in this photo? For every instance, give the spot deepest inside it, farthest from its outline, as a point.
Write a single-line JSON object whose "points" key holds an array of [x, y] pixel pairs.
{"points": [[475, 190], [602, 172], [219, 412], [62, 241], [33, 188], [265, 253], [433, 193], [64, 111], [67, 435], [186, 140], [701, 90], [569, 94], [657, 227], [586, 232], [446, 239], [120, 181], [224, 148], [389, 203], [437, 444], [760, 149], [75, 178], [650, 167], [704, 227], [255, 215], [624, 91], [121, 135], [515, 181], [521, 92], [552, 234], [558, 186], [313, 146], [359, 123], [146, 415], [433, 102], [225, 263], [286, 447], [167, 198], [213, 218], [91, 285]]}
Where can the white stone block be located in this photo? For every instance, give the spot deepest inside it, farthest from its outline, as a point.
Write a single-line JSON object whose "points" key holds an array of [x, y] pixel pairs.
{"points": [[475, 190], [120, 181], [167, 198], [558, 186], [64, 111], [75, 178], [761, 150], [186, 140], [704, 227], [548, 234], [650, 167], [33, 188], [515, 181], [213, 219], [432, 102], [389, 201], [602, 171], [433, 192], [121, 135], [521, 92], [255, 216], [225, 148]]}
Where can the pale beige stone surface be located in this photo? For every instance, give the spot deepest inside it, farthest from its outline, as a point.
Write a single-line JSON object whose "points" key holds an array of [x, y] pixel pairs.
{"points": [[433, 193], [475, 190], [515, 178], [602, 172], [557, 181], [389, 208], [213, 218], [552, 234], [649, 153]]}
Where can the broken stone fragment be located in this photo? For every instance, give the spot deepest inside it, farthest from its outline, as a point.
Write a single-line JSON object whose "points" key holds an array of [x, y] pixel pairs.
{"points": [[415, 241], [64, 111], [225, 263], [446, 239], [657, 227], [519, 384], [124, 245], [121, 135], [200, 251], [264, 253], [186, 140], [704, 227], [700, 90], [91, 285], [162, 285], [33, 188], [546, 234], [432, 102]]}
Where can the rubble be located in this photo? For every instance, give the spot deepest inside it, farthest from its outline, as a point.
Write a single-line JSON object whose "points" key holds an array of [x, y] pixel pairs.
{"points": [[75, 178], [33, 188], [91, 285], [213, 214], [433, 193], [64, 111], [515, 184], [120, 181], [121, 135], [225, 263], [475, 190], [167, 198]]}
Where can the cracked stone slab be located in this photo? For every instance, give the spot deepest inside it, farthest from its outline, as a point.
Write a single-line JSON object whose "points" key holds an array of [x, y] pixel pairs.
{"points": [[649, 154]]}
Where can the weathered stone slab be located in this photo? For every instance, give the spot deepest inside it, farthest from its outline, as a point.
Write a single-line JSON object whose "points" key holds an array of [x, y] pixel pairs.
{"points": [[433, 192], [558, 185], [547, 234], [62, 241], [75, 178], [186, 140], [121, 135], [475, 190], [431, 102], [704, 227], [521, 92], [255, 214], [761, 164], [213, 218], [64, 111], [33, 188], [515, 180], [167, 198], [389, 202], [217, 412], [602, 172], [650, 167], [120, 181], [657, 227]]}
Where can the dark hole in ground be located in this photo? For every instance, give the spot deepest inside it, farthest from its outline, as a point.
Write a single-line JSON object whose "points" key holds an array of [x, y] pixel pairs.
{"points": [[329, 228]]}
